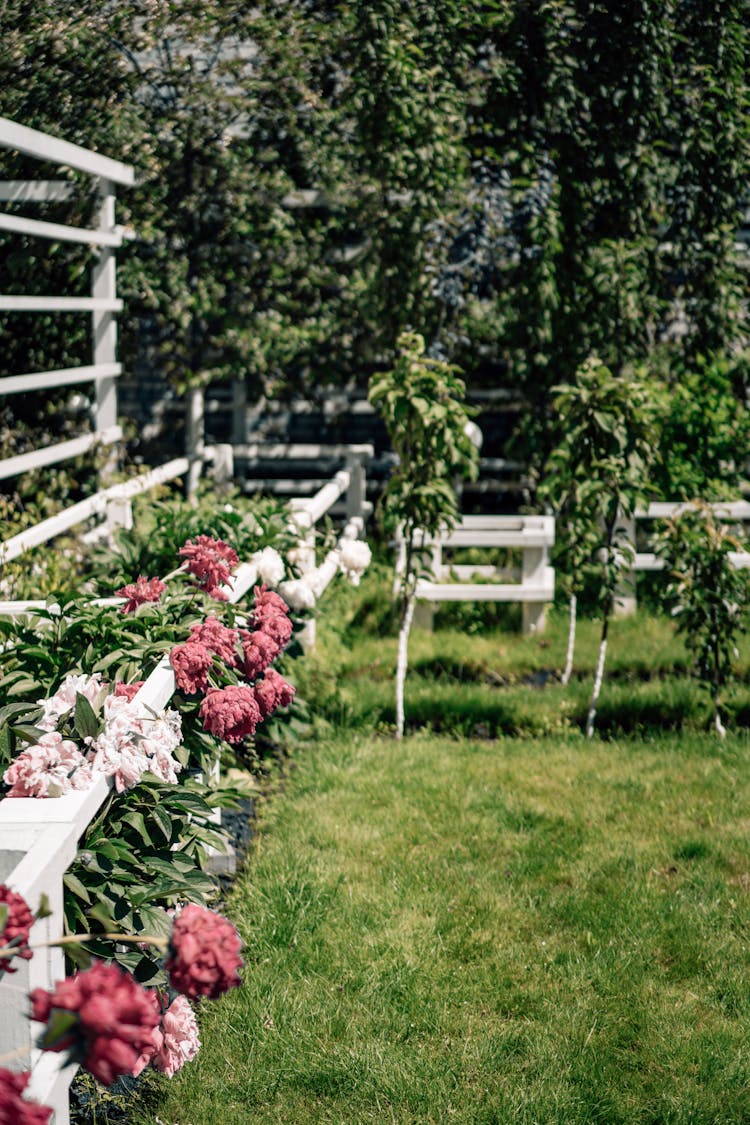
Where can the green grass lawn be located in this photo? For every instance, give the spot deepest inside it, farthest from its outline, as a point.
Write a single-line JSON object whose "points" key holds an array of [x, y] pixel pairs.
{"points": [[522, 927], [522, 930]]}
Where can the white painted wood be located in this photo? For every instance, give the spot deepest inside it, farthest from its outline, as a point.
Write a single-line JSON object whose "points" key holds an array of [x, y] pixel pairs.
{"points": [[533, 568], [50, 1085], [103, 321], [355, 493], [58, 304], [299, 451], [665, 509], [455, 592], [35, 191], [63, 377], [41, 145], [93, 505], [318, 505], [52, 454], [195, 436], [59, 232]]}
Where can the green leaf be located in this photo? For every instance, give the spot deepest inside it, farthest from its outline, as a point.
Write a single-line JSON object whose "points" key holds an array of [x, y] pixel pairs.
{"points": [[74, 884], [85, 721], [59, 1026]]}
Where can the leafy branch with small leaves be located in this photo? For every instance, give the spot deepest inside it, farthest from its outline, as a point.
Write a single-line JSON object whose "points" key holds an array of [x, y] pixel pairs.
{"points": [[594, 478], [709, 595], [421, 401]]}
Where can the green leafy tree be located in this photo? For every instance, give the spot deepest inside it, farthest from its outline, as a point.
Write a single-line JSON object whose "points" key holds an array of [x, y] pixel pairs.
{"points": [[595, 476], [710, 595], [704, 431], [422, 404]]}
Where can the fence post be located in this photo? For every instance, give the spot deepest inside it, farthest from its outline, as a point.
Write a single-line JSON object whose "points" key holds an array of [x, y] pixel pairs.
{"points": [[104, 322], [119, 514], [222, 466], [626, 602], [533, 567], [355, 493], [305, 528], [194, 437], [239, 412]]}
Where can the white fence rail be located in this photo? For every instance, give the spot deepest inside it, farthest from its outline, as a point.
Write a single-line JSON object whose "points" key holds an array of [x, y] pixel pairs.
{"points": [[731, 511], [534, 582], [103, 304]]}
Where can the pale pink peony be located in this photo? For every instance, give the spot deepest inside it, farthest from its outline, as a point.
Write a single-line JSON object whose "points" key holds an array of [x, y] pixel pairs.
{"points": [[354, 558], [141, 591], [191, 662], [14, 1109], [15, 931], [211, 561], [217, 638], [298, 594], [46, 769], [64, 699], [230, 712], [180, 1041], [204, 953], [132, 743]]}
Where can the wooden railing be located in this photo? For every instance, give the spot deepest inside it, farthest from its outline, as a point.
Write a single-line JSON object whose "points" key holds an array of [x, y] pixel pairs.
{"points": [[103, 305], [533, 583], [731, 511]]}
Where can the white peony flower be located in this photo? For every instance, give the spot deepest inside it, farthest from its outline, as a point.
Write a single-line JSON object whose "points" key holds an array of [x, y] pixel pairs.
{"points": [[354, 559], [297, 594], [270, 566]]}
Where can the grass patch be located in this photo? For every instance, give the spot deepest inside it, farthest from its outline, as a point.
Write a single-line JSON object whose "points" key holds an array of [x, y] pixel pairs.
{"points": [[530, 930]]}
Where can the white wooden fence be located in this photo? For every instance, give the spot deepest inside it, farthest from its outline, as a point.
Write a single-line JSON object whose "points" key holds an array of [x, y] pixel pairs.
{"points": [[39, 838], [103, 305], [533, 584], [731, 511]]}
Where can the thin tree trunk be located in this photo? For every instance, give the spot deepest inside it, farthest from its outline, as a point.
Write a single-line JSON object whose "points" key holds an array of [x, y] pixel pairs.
{"points": [[598, 678], [571, 641], [403, 642]]}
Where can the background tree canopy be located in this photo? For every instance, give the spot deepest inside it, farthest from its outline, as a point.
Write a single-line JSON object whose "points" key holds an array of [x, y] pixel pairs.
{"points": [[524, 183]]}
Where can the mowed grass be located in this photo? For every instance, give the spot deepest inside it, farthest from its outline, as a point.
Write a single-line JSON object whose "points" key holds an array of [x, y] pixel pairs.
{"points": [[521, 930]]}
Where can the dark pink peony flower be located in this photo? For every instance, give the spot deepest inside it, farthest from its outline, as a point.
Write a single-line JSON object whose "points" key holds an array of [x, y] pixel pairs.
{"points": [[211, 561], [276, 625], [191, 663], [230, 712], [14, 1110], [116, 1020], [129, 691], [15, 932], [267, 601], [141, 591], [258, 650], [217, 638], [273, 691], [204, 953]]}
